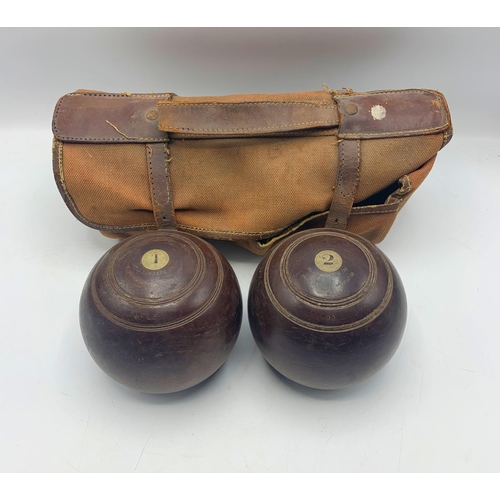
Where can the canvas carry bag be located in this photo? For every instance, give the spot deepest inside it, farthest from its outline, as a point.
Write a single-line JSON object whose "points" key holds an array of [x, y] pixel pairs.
{"points": [[246, 168]]}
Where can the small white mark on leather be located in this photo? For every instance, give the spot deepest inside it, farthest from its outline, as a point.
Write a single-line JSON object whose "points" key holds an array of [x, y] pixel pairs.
{"points": [[378, 112]]}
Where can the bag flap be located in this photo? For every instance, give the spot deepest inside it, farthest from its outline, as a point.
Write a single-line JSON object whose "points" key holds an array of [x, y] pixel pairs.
{"points": [[101, 117], [91, 116], [392, 113]]}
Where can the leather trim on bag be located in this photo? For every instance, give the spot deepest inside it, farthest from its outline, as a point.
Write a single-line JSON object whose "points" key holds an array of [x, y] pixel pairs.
{"points": [[91, 117], [244, 118], [347, 183], [161, 186], [391, 113], [107, 117]]}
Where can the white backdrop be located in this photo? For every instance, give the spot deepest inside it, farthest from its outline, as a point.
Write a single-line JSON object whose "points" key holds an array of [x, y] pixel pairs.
{"points": [[434, 407]]}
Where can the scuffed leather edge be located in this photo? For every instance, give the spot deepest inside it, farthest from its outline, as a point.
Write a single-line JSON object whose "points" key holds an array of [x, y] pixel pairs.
{"points": [[116, 133], [373, 128], [110, 132]]}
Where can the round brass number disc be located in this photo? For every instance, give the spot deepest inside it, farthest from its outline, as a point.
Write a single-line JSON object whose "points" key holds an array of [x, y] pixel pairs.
{"points": [[155, 259], [328, 261]]}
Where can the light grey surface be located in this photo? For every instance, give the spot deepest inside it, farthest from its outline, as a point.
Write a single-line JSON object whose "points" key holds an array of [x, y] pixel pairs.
{"points": [[39, 65], [435, 407]]}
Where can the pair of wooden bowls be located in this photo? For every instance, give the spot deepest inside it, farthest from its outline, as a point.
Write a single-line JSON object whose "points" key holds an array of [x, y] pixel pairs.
{"points": [[160, 312]]}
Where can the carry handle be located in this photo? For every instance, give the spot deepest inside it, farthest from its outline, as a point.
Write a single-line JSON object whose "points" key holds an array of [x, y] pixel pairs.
{"points": [[255, 118]]}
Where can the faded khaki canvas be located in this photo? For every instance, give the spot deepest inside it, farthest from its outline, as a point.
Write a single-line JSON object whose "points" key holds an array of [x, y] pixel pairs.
{"points": [[246, 168]]}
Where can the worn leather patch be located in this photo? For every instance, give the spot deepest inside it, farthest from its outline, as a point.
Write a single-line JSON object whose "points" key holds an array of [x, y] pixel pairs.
{"points": [[101, 117], [244, 118], [392, 114]]}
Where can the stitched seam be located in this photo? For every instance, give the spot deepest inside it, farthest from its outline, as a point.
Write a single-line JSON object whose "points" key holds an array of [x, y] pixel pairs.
{"points": [[110, 139], [357, 211], [61, 172], [128, 96], [121, 228], [286, 134], [340, 182], [405, 132], [218, 231], [406, 91], [358, 165], [151, 177], [163, 127], [168, 186], [165, 171], [156, 139], [56, 114], [167, 220], [376, 92], [326, 105]]}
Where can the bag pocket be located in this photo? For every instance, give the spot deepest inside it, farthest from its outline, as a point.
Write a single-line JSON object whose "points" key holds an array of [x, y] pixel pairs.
{"points": [[368, 219]]}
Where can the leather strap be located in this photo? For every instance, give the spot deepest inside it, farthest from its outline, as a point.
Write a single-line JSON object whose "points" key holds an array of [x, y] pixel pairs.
{"points": [[347, 183], [244, 118], [161, 187]]}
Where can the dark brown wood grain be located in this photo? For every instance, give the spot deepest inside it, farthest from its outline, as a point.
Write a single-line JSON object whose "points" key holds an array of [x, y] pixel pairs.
{"points": [[161, 330], [327, 329]]}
